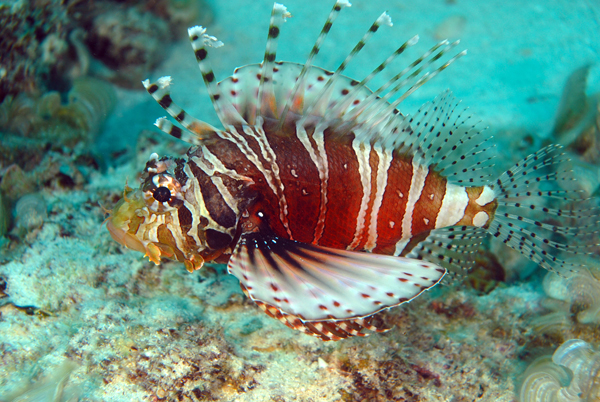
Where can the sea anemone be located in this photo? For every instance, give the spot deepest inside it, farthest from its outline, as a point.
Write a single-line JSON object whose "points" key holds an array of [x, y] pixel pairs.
{"points": [[571, 375]]}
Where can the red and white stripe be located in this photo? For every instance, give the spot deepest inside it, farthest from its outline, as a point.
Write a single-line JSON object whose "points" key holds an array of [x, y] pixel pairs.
{"points": [[320, 189]]}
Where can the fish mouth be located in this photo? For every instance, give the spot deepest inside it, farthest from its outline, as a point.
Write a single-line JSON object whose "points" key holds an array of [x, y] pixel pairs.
{"points": [[120, 220], [124, 238]]}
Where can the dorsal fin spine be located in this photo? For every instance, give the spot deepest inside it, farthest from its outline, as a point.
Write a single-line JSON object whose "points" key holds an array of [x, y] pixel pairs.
{"points": [[201, 41], [266, 94], [325, 93], [370, 106], [299, 85], [386, 116], [426, 77], [423, 63], [160, 91], [350, 98]]}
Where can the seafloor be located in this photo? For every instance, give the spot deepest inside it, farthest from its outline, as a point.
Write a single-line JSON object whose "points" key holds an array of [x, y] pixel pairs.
{"points": [[82, 318]]}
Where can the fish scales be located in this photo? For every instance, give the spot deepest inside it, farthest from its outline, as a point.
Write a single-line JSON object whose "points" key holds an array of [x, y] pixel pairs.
{"points": [[328, 204]]}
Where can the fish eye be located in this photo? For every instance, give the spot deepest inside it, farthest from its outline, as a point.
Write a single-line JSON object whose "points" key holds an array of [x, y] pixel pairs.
{"points": [[161, 194]]}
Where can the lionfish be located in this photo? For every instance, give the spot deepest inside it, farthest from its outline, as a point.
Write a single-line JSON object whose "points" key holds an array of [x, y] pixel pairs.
{"points": [[327, 203]]}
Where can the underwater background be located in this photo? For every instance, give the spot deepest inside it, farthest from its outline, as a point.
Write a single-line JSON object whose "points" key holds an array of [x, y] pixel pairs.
{"points": [[82, 318]]}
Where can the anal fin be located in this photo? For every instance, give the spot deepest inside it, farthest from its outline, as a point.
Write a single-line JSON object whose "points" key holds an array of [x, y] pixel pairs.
{"points": [[326, 330]]}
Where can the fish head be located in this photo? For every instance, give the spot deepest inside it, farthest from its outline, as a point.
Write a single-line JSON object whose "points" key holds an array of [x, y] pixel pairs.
{"points": [[147, 219]]}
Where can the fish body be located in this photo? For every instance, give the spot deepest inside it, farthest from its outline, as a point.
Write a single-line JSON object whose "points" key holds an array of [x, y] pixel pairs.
{"points": [[327, 203]]}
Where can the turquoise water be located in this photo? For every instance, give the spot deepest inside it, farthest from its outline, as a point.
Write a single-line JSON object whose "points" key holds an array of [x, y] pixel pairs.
{"points": [[90, 320]]}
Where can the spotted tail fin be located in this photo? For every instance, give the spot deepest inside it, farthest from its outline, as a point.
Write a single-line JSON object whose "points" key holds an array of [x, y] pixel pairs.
{"points": [[555, 228]]}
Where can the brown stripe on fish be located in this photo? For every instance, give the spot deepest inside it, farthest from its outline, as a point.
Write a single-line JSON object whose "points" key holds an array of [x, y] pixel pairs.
{"points": [[314, 144], [429, 204], [215, 205], [185, 219], [269, 167], [393, 207], [254, 160], [414, 193], [168, 234], [344, 177], [379, 184], [214, 220], [374, 174], [229, 182], [300, 174]]}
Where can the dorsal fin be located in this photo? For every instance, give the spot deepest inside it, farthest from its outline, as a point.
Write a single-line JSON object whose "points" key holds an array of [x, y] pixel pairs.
{"points": [[321, 101], [201, 41], [198, 130], [242, 86], [266, 96], [342, 106], [372, 110], [420, 80], [295, 100]]}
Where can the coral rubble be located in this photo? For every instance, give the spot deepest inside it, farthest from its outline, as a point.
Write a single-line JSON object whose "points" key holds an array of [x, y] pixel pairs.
{"points": [[47, 43]]}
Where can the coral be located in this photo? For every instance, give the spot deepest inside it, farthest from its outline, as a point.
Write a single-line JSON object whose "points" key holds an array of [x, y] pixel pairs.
{"points": [[577, 121], [4, 218], [40, 48], [90, 101], [572, 375], [143, 332], [180, 13], [577, 112], [47, 119], [130, 41], [129, 37], [487, 273], [51, 171], [29, 46], [570, 310], [39, 131], [15, 183], [47, 43]]}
